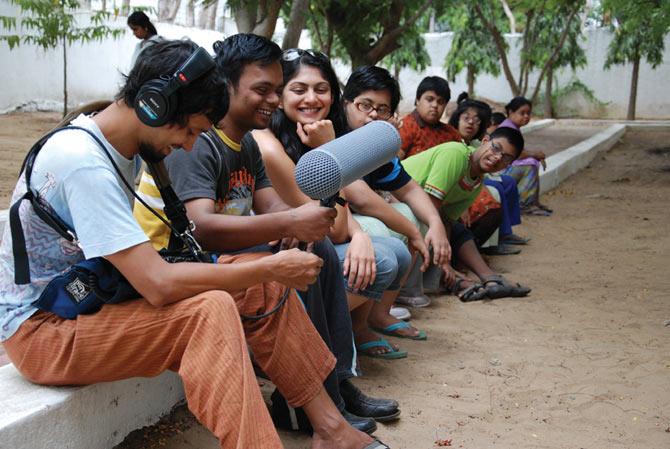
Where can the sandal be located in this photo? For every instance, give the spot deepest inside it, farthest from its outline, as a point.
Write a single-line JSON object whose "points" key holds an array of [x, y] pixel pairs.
{"points": [[376, 444], [390, 330], [536, 211], [500, 250], [392, 354], [497, 286], [474, 292], [513, 239]]}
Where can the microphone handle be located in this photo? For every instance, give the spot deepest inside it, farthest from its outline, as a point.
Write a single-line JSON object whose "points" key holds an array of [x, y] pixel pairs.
{"points": [[325, 202]]}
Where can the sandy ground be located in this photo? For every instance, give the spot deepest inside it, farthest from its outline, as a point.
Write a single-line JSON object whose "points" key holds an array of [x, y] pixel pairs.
{"points": [[18, 132], [584, 362]]}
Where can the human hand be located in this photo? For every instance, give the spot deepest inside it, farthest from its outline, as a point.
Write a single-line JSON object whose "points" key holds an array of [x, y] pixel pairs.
{"points": [[317, 133], [416, 243], [438, 240], [395, 120], [311, 222], [359, 262], [294, 268], [465, 219], [538, 156]]}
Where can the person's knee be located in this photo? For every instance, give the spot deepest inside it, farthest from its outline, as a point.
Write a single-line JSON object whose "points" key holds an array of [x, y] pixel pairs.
{"points": [[215, 304], [387, 266]]}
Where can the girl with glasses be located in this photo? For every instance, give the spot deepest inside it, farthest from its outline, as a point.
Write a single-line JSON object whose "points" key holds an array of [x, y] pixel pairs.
{"points": [[309, 115]]}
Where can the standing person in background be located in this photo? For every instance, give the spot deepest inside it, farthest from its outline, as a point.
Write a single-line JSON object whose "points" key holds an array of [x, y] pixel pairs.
{"points": [[144, 30], [422, 128], [526, 170]]}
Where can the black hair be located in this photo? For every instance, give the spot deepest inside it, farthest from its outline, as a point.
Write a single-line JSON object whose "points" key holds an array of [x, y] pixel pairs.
{"points": [[206, 95], [516, 103], [497, 118], [236, 52], [483, 112], [512, 135], [439, 85], [372, 77], [285, 129], [138, 18]]}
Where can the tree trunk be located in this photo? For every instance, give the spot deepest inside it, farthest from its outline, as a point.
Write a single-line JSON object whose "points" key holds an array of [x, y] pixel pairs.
{"points": [[267, 18], [633, 88], [471, 80], [554, 54], [206, 14], [190, 14], [167, 10], [499, 40], [245, 18], [548, 106], [65, 99], [104, 5], [296, 23], [510, 16], [125, 7]]}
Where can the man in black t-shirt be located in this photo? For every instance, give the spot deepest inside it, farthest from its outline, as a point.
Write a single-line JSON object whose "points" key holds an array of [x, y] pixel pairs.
{"points": [[234, 207]]}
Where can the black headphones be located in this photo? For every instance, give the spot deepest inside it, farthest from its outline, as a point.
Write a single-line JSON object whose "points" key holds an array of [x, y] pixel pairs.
{"points": [[156, 100]]}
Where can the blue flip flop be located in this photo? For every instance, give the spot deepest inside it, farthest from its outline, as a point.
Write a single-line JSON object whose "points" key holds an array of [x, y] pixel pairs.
{"points": [[390, 331], [381, 343]]}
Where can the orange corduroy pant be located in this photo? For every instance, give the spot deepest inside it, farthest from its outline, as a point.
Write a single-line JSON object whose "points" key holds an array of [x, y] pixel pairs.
{"points": [[202, 339]]}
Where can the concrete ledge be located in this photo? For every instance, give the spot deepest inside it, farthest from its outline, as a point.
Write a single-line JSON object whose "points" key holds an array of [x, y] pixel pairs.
{"points": [[538, 124], [573, 159], [91, 417]]}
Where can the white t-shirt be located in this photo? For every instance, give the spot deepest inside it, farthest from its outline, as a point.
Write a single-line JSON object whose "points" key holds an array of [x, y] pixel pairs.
{"points": [[73, 174]]}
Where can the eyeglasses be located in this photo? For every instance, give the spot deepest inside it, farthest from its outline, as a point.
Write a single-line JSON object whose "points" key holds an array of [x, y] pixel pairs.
{"points": [[294, 53], [472, 119], [383, 112], [505, 157]]}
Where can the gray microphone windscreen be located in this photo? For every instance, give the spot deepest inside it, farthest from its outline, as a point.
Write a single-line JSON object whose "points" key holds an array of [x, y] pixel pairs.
{"points": [[323, 171]]}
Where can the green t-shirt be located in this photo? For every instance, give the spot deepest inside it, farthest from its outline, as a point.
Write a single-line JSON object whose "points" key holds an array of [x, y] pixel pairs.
{"points": [[444, 172]]}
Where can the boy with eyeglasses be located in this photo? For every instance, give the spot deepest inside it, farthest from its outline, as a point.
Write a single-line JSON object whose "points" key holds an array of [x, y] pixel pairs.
{"points": [[452, 174], [422, 128]]}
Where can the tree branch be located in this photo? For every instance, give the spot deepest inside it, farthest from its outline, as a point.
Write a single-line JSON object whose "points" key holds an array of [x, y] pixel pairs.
{"points": [[499, 41], [555, 53]]}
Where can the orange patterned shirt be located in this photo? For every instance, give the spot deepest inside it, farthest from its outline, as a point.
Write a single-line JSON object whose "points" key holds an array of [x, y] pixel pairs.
{"points": [[418, 136]]}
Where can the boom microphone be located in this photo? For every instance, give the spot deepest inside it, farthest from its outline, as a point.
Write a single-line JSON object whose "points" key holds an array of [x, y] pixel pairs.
{"points": [[323, 171]]}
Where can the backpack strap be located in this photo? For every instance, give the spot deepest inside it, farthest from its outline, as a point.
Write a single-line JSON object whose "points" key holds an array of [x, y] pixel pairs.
{"points": [[41, 207]]}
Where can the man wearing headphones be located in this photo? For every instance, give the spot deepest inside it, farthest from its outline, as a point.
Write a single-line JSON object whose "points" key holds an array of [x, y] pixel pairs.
{"points": [[186, 321]]}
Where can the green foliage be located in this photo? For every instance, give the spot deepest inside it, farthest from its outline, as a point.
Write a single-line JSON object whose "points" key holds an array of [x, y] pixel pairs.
{"points": [[472, 43], [412, 53], [639, 29], [368, 30], [49, 23], [546, 38], [574, 86]]}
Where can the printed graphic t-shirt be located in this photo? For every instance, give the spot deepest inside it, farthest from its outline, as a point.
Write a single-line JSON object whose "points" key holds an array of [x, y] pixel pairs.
{"points": [[224, 171]]}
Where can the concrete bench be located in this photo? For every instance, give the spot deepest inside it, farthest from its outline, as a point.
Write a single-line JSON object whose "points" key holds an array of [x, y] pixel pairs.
{"points": [[91, 417]]}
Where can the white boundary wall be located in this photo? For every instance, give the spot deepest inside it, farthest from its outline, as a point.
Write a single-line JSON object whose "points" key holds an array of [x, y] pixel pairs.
{"points": [[33, 78]]}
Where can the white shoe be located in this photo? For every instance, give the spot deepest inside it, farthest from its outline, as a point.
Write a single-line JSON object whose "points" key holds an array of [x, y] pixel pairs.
{"points": [[400, 313]]}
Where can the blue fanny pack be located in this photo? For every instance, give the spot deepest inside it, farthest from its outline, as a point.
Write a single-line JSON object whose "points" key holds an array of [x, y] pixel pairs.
{"points": [[84, 288]]}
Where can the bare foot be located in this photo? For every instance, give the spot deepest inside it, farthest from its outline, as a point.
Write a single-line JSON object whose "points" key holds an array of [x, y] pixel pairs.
{"points": [[345, 437]]}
